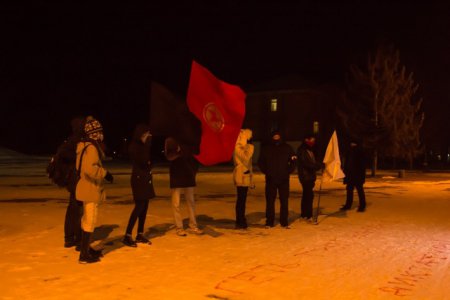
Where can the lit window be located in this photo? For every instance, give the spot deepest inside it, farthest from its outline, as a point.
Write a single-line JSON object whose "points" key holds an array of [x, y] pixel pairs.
{"points": [[273, 105], [316, 127]]}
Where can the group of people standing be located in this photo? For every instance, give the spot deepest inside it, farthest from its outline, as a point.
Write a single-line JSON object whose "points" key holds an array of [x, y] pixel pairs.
{"points": [[84, 149], [277, 160]]}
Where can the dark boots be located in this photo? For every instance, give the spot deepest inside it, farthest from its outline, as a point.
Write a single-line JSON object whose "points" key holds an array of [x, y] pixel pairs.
{"points": [[140, 238], [86, 255]]}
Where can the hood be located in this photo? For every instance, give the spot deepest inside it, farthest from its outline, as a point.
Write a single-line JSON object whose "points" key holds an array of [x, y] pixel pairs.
{"points": [[139, 131], [244, 136], [77, 125]]}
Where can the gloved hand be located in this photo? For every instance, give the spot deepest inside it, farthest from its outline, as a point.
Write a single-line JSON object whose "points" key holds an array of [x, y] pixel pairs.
{"points": [[109, 177]]}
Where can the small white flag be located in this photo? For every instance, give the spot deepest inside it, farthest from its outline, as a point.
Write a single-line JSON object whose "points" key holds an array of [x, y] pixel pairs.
{"points": [[332, 161]]}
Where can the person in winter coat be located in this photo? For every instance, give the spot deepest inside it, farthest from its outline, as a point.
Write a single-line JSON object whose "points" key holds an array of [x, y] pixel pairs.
{"points": [[90, 189], [67, 152], [277, 162], [355, 175], [182, 172], [242, 174], [307, 168], [141, 183]]}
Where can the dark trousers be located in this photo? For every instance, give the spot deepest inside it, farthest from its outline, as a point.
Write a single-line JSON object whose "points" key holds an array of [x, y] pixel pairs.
{"points": [[271, 194], [139, 211], [240, 206], [361, 195], [72, 222], [307, 199]]}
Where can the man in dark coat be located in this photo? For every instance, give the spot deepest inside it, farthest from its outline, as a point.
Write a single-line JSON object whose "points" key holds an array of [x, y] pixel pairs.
{"points": [[277, 162], [67, 152], [141, 183], [182, 172], [355, 175], [307, 168]]}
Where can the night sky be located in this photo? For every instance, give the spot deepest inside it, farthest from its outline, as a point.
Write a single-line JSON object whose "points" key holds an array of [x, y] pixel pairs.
{"points": [[59, 61]]}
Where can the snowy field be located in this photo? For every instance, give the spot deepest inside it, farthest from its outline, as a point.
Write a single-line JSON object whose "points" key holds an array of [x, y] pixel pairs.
{"points": [[398, 249]]}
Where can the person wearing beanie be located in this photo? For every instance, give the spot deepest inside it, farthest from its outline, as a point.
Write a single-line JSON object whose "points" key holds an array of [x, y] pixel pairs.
{"points": [[90, 189], [182, 171], [277, 162], [355, 175], [242, 174], [307, 168], [141, 183]]}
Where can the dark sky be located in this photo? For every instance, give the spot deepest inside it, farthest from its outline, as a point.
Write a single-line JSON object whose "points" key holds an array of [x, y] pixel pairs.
{"points": [[58, 61]]}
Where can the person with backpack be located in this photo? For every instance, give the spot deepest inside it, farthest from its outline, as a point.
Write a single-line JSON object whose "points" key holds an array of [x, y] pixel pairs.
{"points": [[61, 170], [141, 183], [90, 189]]}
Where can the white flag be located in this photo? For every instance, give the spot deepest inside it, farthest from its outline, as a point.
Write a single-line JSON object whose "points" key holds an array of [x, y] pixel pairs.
{"points": [[332, 161]]}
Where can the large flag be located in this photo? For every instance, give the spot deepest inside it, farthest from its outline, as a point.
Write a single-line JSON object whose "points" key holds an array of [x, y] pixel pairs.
{"points": [[332, 161], [220, 107], [170, 116]]}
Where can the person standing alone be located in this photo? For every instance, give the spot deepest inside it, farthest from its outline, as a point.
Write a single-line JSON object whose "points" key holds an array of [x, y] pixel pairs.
{"points": [[355, 175]]}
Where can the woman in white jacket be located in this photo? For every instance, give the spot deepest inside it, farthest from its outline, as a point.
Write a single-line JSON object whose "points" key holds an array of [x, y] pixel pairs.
{"points": [[242, 174], [90, 188]]}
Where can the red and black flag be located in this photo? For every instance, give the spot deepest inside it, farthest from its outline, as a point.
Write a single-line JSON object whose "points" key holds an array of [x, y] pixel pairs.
{"points": [[220, 107]]}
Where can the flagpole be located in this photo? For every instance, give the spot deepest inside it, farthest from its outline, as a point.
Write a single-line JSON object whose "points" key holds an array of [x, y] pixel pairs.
{"points": [[315, 220]]}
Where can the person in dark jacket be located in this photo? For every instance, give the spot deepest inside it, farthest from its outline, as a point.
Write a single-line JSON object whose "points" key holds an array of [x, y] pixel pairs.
{"points": [[141, 183], [307, 168], [355, 175], [182, 172], [277, 162], [68, 153]]}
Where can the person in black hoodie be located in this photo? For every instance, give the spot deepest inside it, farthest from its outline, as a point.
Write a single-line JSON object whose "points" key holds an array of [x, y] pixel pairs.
{"points": [[355, 175], [307, 168], [141, 183], [67, 152], [277, 162], [182, 172]]}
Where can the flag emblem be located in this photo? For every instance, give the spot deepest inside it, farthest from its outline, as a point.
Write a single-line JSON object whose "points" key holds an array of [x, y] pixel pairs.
{"points": [[213, 117]]}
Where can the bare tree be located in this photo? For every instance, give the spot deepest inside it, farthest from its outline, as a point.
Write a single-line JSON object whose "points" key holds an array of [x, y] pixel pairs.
{"points": [[380, 107]]}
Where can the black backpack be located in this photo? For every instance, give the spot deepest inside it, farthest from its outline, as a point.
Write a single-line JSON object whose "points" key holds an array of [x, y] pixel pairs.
{"points": [[61, 168]]}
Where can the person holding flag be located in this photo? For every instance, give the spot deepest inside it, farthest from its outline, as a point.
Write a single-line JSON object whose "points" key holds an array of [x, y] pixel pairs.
{"points": [[355, 175], [307, 168], [182, 172]]}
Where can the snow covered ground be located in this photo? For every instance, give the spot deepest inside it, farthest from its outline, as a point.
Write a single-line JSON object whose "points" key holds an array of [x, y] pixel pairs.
{"points": [[398, 249]]}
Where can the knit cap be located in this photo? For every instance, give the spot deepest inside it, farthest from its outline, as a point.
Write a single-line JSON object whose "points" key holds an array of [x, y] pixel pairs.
{"points": [[92, 126]]}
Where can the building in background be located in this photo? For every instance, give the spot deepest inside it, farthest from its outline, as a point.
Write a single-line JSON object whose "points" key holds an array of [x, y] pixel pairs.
{"points": [[293, 106]]}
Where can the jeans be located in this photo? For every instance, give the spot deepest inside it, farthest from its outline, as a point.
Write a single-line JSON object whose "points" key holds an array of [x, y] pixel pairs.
{"points": [[189, 196], [307, 199], [72, 222], [361, 195], [240, 206], [271, 195], [139, 211]]}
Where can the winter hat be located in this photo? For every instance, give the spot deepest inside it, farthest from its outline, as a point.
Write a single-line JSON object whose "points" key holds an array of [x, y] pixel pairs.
{"points": [[92, 127]]}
